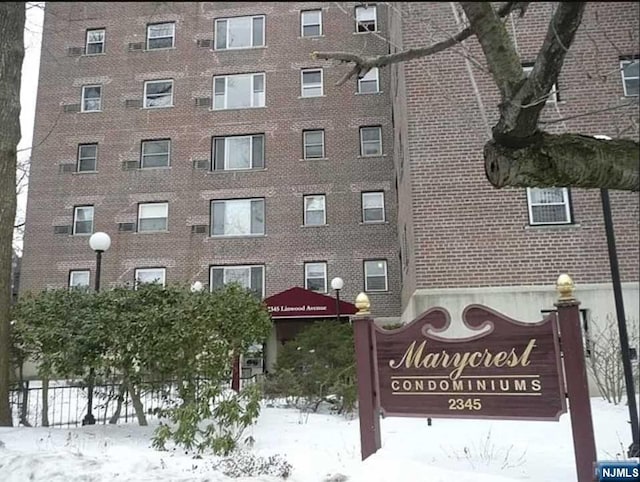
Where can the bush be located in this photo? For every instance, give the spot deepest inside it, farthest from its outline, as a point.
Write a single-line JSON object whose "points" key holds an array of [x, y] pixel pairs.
{"points": [[605, 358], [246, 464], [317, 366], [155, 332]]}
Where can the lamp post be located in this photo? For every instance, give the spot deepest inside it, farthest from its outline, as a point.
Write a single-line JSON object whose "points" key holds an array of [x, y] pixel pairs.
{"points": [[337, 284], [196, 287], [634, 448], [99, 242]]}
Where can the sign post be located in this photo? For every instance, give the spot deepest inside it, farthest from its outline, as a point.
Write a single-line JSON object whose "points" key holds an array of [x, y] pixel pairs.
{"points": [[369, 413], [577, 382]]}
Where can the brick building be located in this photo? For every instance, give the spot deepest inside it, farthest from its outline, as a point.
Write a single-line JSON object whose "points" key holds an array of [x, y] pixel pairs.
{"points": [[463, 241], [206, 142]]}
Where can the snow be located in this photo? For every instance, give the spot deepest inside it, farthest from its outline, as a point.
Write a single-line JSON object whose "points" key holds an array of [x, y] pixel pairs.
{"points": [[322, 447]]}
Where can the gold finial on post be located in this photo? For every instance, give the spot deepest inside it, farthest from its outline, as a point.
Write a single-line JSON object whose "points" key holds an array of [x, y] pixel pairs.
{"points": [[565, 287], [363, 304]]}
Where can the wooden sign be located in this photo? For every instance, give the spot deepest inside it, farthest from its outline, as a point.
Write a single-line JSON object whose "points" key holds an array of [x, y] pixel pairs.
{"points": [[507, 370]]}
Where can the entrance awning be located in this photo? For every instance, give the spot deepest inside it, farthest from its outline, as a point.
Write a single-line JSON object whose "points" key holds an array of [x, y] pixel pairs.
{"points": [[301, 303]]}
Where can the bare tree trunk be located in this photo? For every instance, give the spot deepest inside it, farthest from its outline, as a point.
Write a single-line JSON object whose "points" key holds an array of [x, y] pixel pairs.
{"points": [[116, 415], [12, 18], [137, 403], [24, 386]]}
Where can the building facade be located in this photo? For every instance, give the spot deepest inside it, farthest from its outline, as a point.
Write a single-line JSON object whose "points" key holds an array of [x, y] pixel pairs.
{"points": [[205, 140], [463, 241], [209, 145]]}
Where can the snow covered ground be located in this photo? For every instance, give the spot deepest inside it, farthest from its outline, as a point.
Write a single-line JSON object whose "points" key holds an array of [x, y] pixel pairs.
{"points": [[322, 448]]}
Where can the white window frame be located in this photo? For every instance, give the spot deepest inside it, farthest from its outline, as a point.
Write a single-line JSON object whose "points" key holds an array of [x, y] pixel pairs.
{"points": [[384, 214], [365, 79], [235, 235], [360, 8], [305, 144], [314, 85], [624, 79], [566, 203], [308, 198], [362, 142], [146, 84], [79, 271], [82, 105], [306, 276], [139, 270], [172, 36], [81, 158], [251, 138], [303, 24], [230, 19], [87, 43], [75, 219], [142, 154], [238, 266], [141, 207], [253, 91], [366, 276], [553, 95]]}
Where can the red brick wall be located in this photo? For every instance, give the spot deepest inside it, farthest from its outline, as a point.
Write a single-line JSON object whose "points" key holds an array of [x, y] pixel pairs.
{"points": [[343, 243], [468, 234]]}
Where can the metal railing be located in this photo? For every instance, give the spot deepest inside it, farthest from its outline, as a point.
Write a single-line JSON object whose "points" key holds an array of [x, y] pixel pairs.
{"points": [[63, 403]]}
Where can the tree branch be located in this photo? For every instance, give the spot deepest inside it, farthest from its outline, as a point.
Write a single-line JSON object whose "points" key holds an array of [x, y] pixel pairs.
{"points": [[591, 112], [560, 34], [364, 64], [565, 160], [499, 51]]}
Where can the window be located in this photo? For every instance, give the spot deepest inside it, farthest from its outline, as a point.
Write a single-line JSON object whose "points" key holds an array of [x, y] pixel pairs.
{"points": [[79, 279], [158, 93], [372, 207], [239, 32], [91, 98], [314, 211], [366, 19], [553, 95], [375, 275], [95, 42], [313, 144], [238, 152], [315, 276], [250, 277], [370, 141], [87, 157], [311, 23], [149, 275], [238, 91], [549, 205], [630, 76], [152, 217], [368, 83], [239, 217], [161, 35], [83, 220], [311, 83], [155, 153]]}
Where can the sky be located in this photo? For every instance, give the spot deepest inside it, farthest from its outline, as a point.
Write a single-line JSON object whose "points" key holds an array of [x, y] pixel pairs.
{"points": [[28, 92]]}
